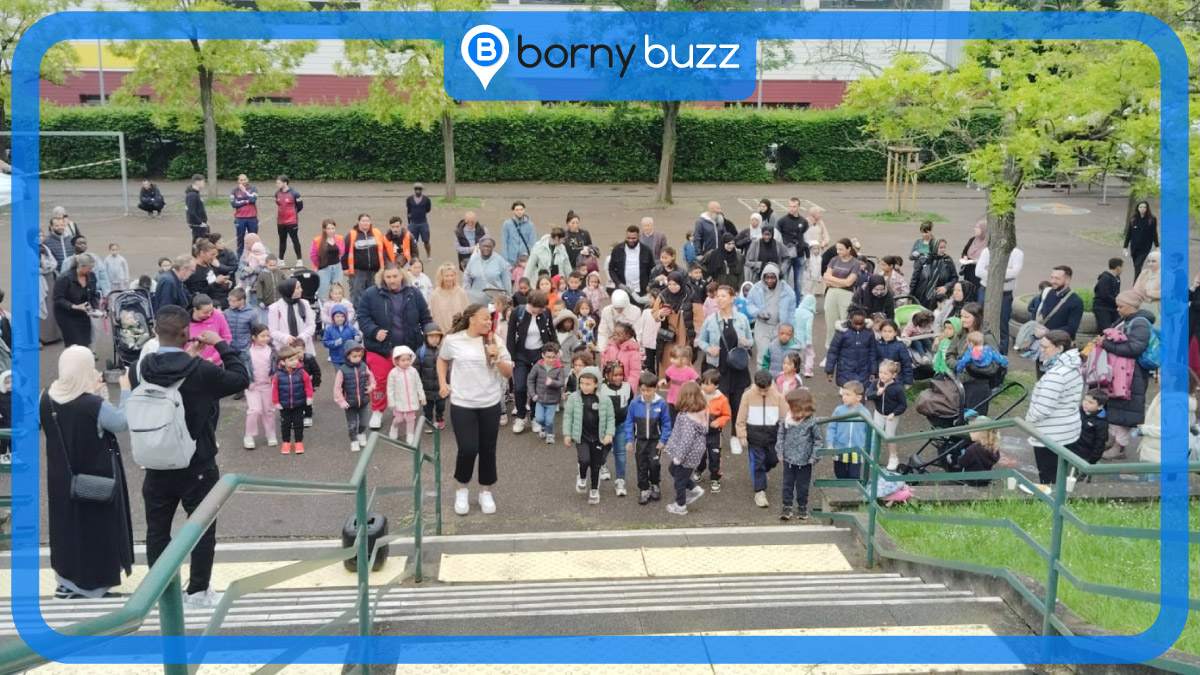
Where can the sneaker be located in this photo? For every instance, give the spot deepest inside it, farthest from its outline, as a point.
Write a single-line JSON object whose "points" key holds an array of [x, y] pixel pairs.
{"points": [[604, 474], [441, 424], [714, 486], [272, 441], [298, 449], [394, 434], [786, 514], [643, 497], [822, 364], [677, 509], [248, 442], [694, 494], [620, 487], [594, 497], [462, 504], [286, 449], [6, 459], [537, 428], [486, 503], [893, 463], [1117, 452], [655, 494], [240, 396], [308, 422], [802, 512], [808, 372], [362, 440], [581, 485], [428, 429], [735, 446], [504, 419], [760, 499], [354, 447], [696, 477], [205, 598], [519, 425], [549, 439], [376, 419]]}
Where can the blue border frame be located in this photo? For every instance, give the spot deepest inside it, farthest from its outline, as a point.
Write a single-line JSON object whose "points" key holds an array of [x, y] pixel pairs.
{"points": [[640, 649]]}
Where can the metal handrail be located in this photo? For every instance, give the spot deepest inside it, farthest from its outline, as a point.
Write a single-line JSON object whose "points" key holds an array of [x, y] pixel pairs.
{"points": [[162, 585], [867, 488]]}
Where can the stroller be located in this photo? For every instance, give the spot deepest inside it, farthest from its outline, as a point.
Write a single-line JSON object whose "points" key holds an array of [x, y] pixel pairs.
{"points": [[943, 404], [922, 361], [310, 284], [131, 315]]}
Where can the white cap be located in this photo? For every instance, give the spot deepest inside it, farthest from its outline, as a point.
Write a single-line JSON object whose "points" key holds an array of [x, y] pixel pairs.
{"points": [[620, 299]]}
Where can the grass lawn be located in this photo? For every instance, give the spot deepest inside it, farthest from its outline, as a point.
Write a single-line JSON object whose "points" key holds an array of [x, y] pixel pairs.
{"points": [[472, 202], [903, 216], [1129, 563], [1108, 237]]}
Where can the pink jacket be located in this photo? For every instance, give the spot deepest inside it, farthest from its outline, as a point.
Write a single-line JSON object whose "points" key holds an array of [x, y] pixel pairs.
{"points": [[215, 322], [1122, 367], [630, 356], [314, 250]]}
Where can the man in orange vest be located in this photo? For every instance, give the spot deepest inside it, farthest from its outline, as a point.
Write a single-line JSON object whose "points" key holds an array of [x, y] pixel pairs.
{"points": [[401, 240], [367, 251]]}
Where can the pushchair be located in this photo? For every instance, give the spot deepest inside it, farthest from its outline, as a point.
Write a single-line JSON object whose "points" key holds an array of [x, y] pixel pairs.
{"points": [[922, 360], [131, 316], [943, 404], [310, 285]]}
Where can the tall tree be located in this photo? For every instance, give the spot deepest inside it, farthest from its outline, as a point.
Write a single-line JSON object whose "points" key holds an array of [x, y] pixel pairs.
{"points": [[1015, 111], [16, 16], [772, 55], [201, 82], [408, 77]]}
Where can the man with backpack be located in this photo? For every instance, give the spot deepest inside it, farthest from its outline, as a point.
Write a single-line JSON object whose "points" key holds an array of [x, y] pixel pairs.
{"points": [[173, 406]]}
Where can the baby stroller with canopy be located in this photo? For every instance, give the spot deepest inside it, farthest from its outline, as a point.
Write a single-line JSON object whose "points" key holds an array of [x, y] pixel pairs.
{"points": [[943, 404], [131, 316], [922, 359], [310, 284]]}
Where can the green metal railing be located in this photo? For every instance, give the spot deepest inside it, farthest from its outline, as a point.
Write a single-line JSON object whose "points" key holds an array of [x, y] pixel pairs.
{"points": [[5, 500], [163, 586], [1061, 514]]}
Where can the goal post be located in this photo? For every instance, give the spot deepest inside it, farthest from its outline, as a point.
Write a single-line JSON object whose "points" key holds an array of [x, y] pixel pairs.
{"points": [[120, 146]]}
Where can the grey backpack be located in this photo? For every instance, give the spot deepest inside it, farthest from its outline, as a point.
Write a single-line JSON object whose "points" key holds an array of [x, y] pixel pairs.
{"points": [[158, 433]]}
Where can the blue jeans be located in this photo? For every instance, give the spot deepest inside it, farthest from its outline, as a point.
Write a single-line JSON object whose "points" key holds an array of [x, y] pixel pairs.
{"points": [[329, 275], [796, 480], [762, 460], [244, 225], [617, 449], [797, 275], [544, 415]]}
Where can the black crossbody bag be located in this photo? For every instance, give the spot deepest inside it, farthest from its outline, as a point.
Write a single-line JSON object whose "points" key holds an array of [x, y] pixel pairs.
{"points": [[86, 487]]}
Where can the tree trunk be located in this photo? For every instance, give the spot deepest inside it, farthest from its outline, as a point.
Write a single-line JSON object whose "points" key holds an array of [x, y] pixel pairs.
{"points": [[210, 120], [448, 149], [1002, 239], [666, 166]]}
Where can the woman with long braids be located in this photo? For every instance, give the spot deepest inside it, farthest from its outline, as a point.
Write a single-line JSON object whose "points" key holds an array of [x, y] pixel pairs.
{"points": [[481, 364]]}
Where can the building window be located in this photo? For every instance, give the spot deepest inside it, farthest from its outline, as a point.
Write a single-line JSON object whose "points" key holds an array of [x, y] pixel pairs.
{"points": [[94, 99], [780, 105], [270, 100]]}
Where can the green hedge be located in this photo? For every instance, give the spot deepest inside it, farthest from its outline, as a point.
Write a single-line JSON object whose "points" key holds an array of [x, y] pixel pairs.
{"points": [[587, 144]]}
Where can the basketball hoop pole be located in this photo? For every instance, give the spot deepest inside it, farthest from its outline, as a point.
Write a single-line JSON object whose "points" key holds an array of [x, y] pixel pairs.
{"points": [[120, 144]]}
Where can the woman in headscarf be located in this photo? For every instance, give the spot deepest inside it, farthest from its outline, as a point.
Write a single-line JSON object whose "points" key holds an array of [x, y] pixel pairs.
{"points": [[677, 314], [76, 297], [971, 251], [766, 250], [1149, 284], [751, 234], [766, 212], [486, 269], [725, 265], [90, 542], [933, 276], [292, 321], [875, 297], [448, 297]]}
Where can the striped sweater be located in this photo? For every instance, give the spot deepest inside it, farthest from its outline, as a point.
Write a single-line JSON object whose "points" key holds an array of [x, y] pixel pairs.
{"points": [[1054, 405]]}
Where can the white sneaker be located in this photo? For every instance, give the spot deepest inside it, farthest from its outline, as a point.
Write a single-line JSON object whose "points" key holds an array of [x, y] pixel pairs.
{"points": [[695, 477], [519, 425], [486, 503], [410, 439], [537, 428], [594, 497], [205, 598], [620, 485], [549, 439], [272, 441], [376, 419], [362, 440], [6, 459], [893, 462], [504, 419], [248, 442], [354, 447], [394, 435], [735, 445], [604, 474], [677, 509], [694, 494], [760, 499], [581, 485], [822, 364], [308, 422], [462, 504]]}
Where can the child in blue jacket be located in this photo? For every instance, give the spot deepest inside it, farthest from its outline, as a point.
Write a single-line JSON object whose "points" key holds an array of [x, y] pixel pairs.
{"points": [[647, 430], [339, 334], [852, 354], [849, 434]]}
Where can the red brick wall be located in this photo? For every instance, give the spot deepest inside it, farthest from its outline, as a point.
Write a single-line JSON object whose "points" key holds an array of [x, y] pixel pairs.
{"points": [[816, 93]]}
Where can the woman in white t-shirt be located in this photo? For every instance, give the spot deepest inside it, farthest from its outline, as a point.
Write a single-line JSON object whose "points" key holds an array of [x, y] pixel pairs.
{"points": [[481, 365]]}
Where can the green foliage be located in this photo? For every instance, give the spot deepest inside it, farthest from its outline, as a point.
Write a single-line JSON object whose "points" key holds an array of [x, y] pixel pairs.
{"points": [[904, 216], [586, 144], [16, 16]]}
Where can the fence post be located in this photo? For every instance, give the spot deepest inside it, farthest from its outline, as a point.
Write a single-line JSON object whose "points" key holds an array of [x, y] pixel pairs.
{"points": [[364, 565], [170, 621], [872, 467], [437, 478], [1056, 533]]}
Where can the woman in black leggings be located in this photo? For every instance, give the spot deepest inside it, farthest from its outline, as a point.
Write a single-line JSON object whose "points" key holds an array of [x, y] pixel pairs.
{"points": [[481, 366]]}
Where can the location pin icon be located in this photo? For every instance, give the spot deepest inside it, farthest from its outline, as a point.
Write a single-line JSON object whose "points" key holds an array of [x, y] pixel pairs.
{"points": [[485, 49]]}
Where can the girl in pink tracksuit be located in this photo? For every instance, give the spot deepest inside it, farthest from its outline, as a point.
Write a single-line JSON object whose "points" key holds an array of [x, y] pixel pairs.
{"points": [[406, 396], [260, 359]]}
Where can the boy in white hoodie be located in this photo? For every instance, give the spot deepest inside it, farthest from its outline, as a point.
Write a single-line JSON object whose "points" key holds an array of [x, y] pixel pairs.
{"points": [[405, 393]]}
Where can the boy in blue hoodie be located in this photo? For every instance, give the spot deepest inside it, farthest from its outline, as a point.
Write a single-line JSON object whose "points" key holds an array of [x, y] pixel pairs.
{"points": [[338, 335], [851, 435], [647, 429]]}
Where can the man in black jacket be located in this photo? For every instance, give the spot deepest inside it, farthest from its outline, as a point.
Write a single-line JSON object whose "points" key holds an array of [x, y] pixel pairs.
{"points": [[197, 215], [206, 279], [1104, 300], [525, 345], [204, 385], [172, 289], [792, 226], [621, 265]]}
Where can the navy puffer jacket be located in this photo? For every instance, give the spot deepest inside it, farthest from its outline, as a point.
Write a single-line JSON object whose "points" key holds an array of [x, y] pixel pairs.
{"points": [[853, 354]]}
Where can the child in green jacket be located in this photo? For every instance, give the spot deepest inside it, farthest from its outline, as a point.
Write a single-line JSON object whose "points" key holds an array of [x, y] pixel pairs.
{"points": [[589, 423]]}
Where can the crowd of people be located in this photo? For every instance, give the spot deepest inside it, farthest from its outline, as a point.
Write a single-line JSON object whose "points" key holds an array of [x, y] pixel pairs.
{"points": [[677, 356]]}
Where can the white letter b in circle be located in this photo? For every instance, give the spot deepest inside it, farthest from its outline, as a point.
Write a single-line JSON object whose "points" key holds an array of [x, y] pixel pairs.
{"points": [[485, 49]]}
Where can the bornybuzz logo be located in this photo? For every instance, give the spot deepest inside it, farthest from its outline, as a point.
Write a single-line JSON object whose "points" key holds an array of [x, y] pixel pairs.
{"points": [[538, 62]]}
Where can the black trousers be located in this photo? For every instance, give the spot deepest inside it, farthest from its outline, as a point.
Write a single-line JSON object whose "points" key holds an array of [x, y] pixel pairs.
{"points": [[286, 232], [198, 232], [523, 362], [847, 470], [645, 454], [796, 479], [291, 420], [356, 420], [711, 459], [476, 430], [683, 482], [162, 493], [1105, 318], [1047, 465], [591, 457], [435, 405]]}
